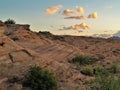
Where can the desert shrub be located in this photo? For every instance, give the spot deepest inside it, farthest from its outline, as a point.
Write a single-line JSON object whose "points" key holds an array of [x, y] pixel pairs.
{"points": [[83, 59], [40, 79], [9, 21], [87, 70], [93, 70], [103, 82], [99, 69], [114, 68]]}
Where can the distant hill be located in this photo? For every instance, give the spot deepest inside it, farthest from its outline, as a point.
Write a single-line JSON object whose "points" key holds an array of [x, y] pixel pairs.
{"points": [[117, 34], [115, 38], [102, 35]]}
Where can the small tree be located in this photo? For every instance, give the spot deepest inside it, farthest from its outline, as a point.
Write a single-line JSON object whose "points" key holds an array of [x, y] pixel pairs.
{"points": [[9, 21]]}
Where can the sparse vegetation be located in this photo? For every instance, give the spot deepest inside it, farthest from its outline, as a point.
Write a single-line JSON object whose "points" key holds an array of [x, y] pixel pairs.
{"points": [[105, 82], [93, 70], [98, 68], [115, 68], [40, 79], [9, 21], [88, 61], [83, 59], [105, 78], [87, 70]]}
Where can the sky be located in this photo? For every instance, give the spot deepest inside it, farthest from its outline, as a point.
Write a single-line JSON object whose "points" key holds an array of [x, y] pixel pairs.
{"points": [[33, 12]]}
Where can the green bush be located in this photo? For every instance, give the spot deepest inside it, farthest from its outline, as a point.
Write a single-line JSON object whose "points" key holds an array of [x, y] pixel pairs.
{"points": [[87, 70], [94, 70], [40, 79], [9, 21], [115, 68], [83, 59], [99, 69], [103, 82], [106, 78]]}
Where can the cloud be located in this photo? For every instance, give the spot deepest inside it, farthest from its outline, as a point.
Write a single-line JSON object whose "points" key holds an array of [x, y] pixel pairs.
{"points": [[76, 17], [72, 14], [81, 26], [53, 9], [68, 12], [93, 15], [80, 10]]}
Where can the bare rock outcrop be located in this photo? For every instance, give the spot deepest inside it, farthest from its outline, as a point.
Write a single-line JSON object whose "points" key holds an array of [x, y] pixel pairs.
{"points": [[12, 54]]}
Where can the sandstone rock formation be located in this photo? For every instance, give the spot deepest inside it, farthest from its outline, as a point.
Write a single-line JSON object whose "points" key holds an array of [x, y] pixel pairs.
{"points": [[21, 48]]}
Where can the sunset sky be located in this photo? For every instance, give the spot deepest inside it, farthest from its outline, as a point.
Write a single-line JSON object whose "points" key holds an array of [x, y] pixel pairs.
{"points": [[33, 12]]}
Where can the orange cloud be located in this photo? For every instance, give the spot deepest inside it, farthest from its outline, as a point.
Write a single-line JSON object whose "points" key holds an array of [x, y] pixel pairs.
{"points": [[76, 17], [68, 12], [53, 9], [80, 10], [93, 15], [83, 26]]}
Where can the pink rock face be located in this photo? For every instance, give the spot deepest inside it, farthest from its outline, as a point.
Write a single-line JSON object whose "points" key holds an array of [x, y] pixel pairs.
{"points": [[10, 52]]}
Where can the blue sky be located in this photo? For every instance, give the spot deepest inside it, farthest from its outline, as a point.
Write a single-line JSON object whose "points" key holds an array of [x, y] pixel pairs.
{"points": [[33, 12]]}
